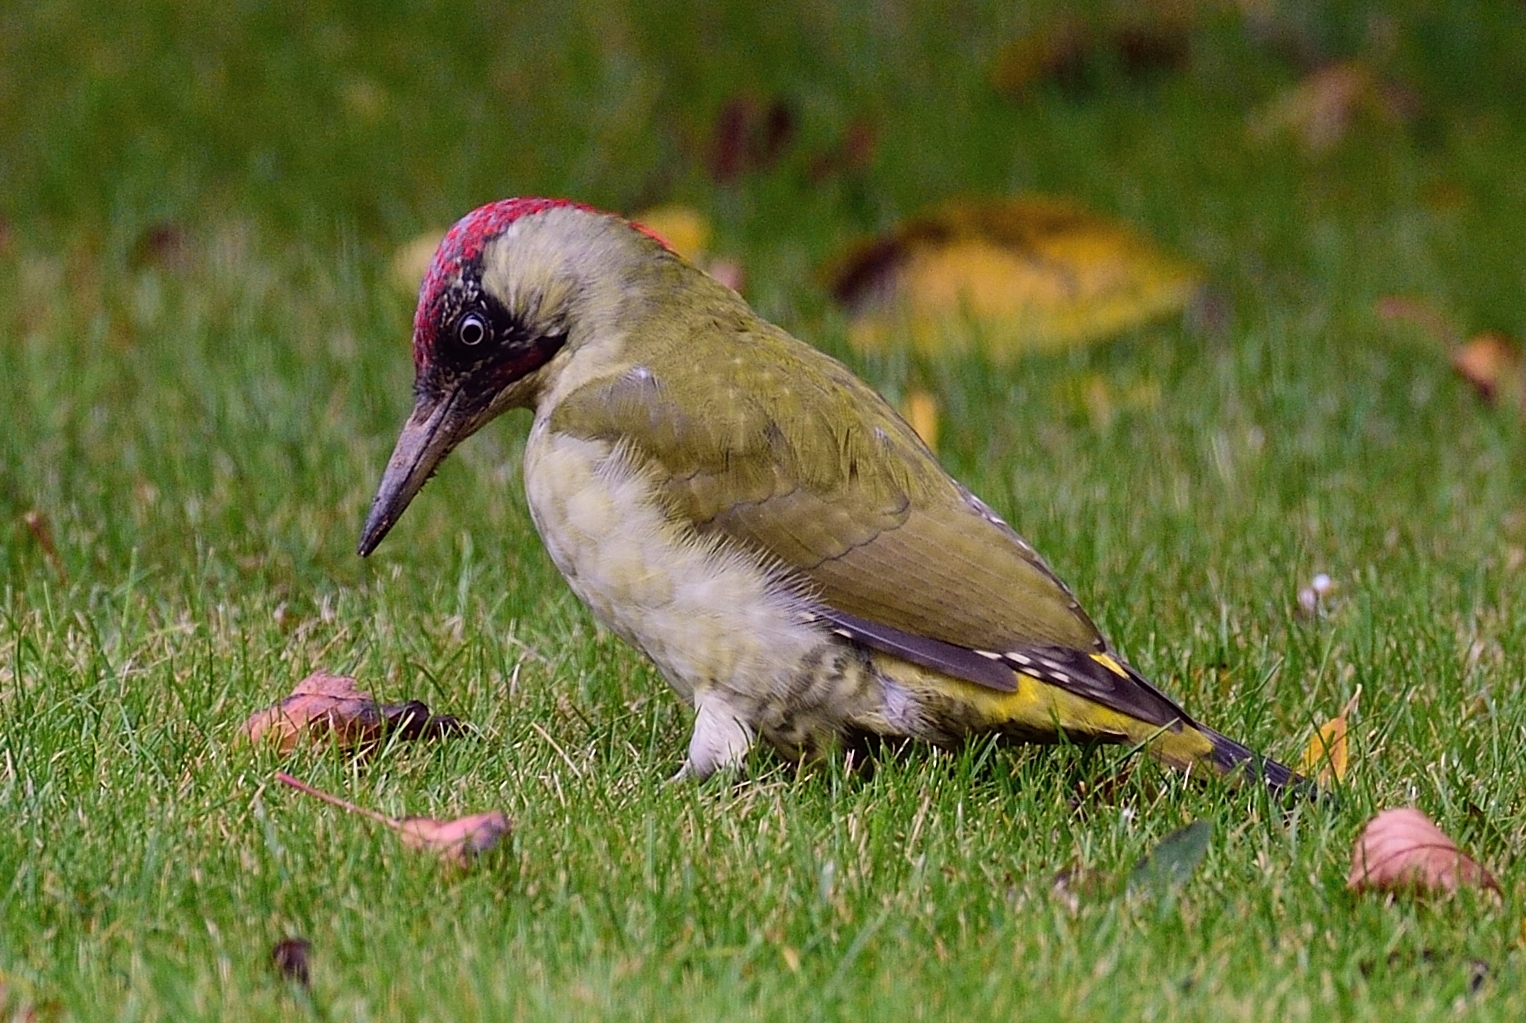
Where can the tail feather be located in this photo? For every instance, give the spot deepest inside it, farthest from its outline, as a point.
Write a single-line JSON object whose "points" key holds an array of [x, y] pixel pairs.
{"points": [[1230, 756]]}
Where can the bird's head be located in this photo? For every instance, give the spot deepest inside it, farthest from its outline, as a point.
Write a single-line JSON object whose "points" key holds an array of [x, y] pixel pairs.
{"points": [[514, 288]]}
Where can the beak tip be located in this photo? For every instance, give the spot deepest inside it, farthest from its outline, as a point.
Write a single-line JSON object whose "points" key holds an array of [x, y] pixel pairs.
{"points": [[426, 438], [376, 528]]}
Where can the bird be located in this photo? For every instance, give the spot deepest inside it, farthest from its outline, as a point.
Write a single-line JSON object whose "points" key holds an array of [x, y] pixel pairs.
{"points": [[748, 513]]}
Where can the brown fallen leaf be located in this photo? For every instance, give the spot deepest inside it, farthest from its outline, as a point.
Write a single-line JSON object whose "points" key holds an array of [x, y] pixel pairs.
{"points": [[1073, 53], [1031, 274], [750, 135], [1328, 754], [291, 958], [413, 720], [325, 706], [1403, 850], [457, 842], [1491, 361], [37, 523]]}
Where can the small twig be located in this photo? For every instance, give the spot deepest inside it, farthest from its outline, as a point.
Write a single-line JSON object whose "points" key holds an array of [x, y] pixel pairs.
{"points": [[343, 804]]}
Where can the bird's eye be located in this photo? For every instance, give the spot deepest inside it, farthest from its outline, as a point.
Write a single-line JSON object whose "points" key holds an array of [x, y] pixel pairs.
{"points": [[471, 330]]}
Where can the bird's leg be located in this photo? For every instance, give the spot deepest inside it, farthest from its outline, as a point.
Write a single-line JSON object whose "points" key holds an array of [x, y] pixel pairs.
{"points": [[721, 736]]}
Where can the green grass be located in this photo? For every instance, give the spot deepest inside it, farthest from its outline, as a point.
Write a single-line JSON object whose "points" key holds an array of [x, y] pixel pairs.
{"points": [[202, 432]]}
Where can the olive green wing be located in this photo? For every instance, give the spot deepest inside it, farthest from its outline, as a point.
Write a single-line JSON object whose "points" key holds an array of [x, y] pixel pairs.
{"points": [[780, 448]]}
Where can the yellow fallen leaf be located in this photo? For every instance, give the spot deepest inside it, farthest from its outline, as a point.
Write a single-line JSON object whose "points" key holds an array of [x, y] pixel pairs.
{"points": [[1025, 274], [1328, 754], [684, 228], [411, 261], [921, 410]]}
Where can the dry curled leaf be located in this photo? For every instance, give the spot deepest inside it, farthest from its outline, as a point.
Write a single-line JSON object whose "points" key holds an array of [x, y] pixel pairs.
{"points": [[1403, 850], [330, 707], [457, 842], [321, 706], [1029, 274]]}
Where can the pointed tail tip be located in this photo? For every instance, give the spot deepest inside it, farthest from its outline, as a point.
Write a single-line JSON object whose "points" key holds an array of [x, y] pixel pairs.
{"points": [[1284, 783]]}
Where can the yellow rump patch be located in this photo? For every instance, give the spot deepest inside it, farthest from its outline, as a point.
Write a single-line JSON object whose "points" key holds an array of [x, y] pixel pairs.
{"points": [[1110, 664]]}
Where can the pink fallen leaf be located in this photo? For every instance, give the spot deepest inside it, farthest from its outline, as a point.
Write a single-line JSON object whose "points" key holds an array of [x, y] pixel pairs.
{"points": [[321, 705], [1403, 850], [325, 706], [457, 841]]}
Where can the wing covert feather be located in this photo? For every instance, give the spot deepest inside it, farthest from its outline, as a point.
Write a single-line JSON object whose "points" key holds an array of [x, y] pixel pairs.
{"points": [[782, 449]]}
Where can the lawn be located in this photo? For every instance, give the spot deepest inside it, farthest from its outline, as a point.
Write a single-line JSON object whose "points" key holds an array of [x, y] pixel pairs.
{"points": [[204, 361]]}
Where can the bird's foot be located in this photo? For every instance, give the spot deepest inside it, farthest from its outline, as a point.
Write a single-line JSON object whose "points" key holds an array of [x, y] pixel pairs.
{"points": [[721, 738]]}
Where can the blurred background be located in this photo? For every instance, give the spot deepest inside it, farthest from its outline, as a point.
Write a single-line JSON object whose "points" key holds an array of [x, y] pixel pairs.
{"points": [[793, 126]]}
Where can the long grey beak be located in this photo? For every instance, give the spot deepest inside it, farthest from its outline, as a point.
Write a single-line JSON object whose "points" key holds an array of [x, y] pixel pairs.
{"points": [[430, 433]]}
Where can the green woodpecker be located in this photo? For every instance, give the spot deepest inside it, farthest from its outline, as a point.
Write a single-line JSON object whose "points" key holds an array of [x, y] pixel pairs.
{"points": [[748, 513]]}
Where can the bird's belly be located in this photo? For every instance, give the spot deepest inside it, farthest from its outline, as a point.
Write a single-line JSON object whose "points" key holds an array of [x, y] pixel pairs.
{"points": [[706, 612]]}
